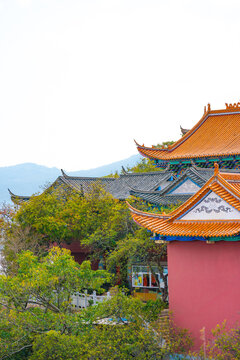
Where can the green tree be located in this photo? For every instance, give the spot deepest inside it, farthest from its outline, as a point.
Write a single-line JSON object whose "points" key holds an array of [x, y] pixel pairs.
{"points": [[37, 321], [142, 248], [56, 346], [49, 283], [64, 215], [38, 297], [121, 329], [144, 165]]}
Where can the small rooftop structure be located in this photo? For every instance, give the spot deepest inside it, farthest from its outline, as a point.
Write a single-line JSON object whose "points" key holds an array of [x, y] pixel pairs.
{"points": [[183, 131]]}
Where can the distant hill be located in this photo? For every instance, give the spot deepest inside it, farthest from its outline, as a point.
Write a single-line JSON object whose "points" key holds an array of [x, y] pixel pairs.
{"points": [[108, 169], [28, 178]]}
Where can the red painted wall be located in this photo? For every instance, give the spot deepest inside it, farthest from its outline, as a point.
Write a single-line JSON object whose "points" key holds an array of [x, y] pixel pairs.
{"points": [[204, 285], [80, 253]]}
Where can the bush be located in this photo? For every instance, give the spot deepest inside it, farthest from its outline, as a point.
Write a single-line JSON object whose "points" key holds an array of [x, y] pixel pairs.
{"points": [[153, 308], [54, 346], [225, 344]]}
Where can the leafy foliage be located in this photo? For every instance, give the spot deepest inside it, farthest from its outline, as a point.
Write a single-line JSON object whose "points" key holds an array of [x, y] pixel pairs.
{"points": [[53, 346], [140, 246], [64, 215], [164, 144], [38, 298], [120, 330], [49, 283], [144, 165], [38, 322], [225, 344]]}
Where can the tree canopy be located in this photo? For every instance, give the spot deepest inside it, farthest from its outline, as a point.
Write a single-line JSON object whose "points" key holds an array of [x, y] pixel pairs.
{"points": [[38, 321], [64, 215]]}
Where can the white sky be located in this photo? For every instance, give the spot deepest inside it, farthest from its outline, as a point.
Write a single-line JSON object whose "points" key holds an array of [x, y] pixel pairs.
{"points": [[80, 79]]}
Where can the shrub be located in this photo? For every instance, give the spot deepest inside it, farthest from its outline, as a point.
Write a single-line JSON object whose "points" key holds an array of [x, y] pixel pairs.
{"points": [[226, 344], [56, 346]]}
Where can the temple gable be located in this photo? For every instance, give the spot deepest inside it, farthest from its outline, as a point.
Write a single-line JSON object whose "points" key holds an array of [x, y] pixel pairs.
{"points": [[212, 207], [186, 187]]}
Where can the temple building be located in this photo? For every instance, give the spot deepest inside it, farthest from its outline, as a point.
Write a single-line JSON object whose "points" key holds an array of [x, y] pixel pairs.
{"points": [[203, 233], [203, 237], [215, 138], [179, 190], [200, 274], [119, 187]]}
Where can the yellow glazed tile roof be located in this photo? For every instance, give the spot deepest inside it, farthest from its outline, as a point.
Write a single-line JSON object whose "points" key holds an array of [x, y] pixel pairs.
{"points": [[216, 134], [173, 224]]}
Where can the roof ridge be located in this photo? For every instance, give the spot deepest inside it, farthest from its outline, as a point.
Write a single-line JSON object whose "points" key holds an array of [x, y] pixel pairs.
{"points": [[18, 196], [87, 178], [195, 171], [157, 172]]}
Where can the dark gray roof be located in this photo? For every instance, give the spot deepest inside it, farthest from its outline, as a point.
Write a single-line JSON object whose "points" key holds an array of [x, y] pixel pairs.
{"points": [[164, 197], [143, 185], [164, 200], [82, 184], [18, 199], [119, 187]]}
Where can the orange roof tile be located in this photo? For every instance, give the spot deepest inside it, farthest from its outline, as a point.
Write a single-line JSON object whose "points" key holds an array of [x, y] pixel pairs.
{"points": [[216, 134], [175, 224]]}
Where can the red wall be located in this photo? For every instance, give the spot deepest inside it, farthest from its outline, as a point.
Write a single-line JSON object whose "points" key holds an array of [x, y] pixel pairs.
{"points": [[204, 284], [80, 253]]}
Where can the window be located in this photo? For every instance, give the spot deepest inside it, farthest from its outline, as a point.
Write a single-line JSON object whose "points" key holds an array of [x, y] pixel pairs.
{"points": [[142, 276]]}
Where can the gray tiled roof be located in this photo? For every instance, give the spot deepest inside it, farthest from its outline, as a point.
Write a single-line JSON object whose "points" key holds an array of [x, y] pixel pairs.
{"points": [[165, 197], [143, 185], [121, 188], [18, 199], [82, 184], [163, 200], [118, 187]]}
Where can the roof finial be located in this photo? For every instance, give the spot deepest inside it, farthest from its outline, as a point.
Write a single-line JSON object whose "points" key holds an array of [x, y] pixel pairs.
{"points": [[209, 107], [205, 109], [233, 106], [183, 131], [11, 193], [63, 173], [124, 170], [216, 169]]}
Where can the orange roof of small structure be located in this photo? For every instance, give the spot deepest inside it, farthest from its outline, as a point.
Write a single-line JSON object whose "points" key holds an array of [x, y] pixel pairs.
{"points": [[216, 134], [225, 189]]}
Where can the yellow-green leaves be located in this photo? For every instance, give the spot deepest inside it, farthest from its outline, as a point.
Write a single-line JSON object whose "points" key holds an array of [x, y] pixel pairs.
{"points": [[50, 281]]}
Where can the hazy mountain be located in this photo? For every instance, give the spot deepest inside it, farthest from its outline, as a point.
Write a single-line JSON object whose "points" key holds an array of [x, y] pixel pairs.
{"points": [[28, 178], [108, 169]]}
